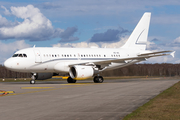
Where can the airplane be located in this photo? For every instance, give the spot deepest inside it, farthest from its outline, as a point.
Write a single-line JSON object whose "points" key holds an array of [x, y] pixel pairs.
{"points": [[83, 63]]}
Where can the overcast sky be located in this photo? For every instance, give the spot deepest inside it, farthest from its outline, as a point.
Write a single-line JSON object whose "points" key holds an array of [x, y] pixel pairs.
{"points": [[85, 23]]}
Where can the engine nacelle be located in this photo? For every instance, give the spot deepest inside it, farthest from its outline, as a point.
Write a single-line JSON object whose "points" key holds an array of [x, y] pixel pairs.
{"points": [[43, 76], [79, 72]]}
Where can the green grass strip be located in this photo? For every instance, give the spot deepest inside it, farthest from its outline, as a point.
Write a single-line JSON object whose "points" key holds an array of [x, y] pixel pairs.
{"points": [[165, 106]]}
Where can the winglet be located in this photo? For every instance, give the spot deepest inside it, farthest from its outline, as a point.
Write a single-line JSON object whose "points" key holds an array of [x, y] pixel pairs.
{"points": [[172, 54]]}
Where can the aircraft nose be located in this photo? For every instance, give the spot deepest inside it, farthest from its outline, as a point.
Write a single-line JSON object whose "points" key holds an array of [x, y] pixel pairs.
{"points": [[8, 64]]}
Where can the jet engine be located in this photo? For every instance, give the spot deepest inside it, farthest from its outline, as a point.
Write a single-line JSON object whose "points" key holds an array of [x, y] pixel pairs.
{"points": [[43, 76], [78, 72]]}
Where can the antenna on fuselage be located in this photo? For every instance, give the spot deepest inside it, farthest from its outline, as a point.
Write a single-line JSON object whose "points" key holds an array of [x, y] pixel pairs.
{"points": [[34, 46]]}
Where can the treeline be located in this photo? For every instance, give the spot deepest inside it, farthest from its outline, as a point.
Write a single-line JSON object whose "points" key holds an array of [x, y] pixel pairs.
{"points": [[5, 73], [132, 70], [146, 70]]}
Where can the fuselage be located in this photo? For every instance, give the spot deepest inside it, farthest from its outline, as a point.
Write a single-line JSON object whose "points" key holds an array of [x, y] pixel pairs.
{"points": [[44, 59]]}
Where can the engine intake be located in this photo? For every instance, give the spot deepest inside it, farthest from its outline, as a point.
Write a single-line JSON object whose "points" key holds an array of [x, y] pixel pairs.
{"points": [[80, 72]]}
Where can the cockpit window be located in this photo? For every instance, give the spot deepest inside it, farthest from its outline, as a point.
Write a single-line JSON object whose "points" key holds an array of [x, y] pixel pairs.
{"points": [[24, 55], [19, 55], [15, 55]]}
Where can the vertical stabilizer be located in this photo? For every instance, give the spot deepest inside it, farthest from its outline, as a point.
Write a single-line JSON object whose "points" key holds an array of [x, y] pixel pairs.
{"points": [[138, 38]]}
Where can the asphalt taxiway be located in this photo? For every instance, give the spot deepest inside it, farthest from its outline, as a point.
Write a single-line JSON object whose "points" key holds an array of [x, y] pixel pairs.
{"points": [[84, 100]]}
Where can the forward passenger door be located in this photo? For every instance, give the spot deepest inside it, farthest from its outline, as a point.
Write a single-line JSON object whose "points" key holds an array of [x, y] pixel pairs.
{"points": [[37, 56]]}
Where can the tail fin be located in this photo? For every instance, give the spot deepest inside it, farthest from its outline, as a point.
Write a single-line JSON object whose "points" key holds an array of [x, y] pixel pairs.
{"points": [[138, 38]]}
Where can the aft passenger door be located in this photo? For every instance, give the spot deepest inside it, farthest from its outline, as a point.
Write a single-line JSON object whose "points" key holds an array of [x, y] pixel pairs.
{"points": [[37, 56]]}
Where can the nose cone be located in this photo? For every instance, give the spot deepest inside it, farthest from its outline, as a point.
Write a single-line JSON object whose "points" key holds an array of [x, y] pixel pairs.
{"points": [[8, 64]]}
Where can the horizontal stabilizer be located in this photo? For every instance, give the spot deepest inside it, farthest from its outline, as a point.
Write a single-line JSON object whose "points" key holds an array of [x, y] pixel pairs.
{"points": [[144, 54]]}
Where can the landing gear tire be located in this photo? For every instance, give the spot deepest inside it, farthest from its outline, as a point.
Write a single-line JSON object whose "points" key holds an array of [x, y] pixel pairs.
{"points": [[98, 79], [33, 78], [70, 80], [32, 82]]}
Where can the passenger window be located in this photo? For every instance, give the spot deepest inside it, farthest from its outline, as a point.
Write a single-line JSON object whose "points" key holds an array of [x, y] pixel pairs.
{"points": [[67, 55], [15, 55]]}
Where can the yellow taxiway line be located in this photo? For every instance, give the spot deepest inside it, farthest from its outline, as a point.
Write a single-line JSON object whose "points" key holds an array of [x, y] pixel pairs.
{"points": [[7, 91], [3, 93], [79, 84], [36, 87], [50, 89]]}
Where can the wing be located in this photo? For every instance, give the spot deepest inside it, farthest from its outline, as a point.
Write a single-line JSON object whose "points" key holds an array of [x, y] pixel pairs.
{"points": [[122, 62], [143, 56]]}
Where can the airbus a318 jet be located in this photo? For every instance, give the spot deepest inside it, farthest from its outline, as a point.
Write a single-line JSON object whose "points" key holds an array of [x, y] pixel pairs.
{"points": [[83, 63]]}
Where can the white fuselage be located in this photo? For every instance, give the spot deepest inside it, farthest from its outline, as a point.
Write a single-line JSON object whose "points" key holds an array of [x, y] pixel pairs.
{"points": [[44, 59]]}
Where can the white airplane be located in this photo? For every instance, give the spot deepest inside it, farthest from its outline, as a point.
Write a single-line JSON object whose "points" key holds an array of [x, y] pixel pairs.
{"points": [[82, 63]]}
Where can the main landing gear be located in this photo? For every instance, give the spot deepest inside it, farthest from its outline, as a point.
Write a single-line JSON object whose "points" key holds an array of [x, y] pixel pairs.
{"points": [[98, 79], [70, 80]]}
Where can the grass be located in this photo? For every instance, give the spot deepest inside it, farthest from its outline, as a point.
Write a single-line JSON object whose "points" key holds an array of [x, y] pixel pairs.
{"points": [[165, 106], [59, 79], [105, 78], [14, 79], [24, 79]]}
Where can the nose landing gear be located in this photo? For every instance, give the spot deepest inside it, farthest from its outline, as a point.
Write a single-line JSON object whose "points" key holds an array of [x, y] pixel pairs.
{"points": [[33, 78], [32, 81]]}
